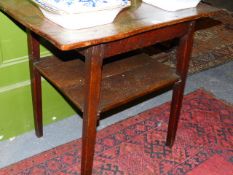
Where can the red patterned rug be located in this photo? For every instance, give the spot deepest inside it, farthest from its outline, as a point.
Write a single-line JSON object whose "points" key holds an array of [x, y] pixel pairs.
{"points": [[204, 144]]}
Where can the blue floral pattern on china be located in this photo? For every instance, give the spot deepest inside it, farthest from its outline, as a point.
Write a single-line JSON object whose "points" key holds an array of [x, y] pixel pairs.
{"points": [[79, 6]]}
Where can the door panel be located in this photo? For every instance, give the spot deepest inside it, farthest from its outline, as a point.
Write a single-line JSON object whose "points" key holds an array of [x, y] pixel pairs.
{"points": [[15, 96]]}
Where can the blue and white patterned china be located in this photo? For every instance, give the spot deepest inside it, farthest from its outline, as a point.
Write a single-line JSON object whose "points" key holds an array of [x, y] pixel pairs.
{"points": [[80, 6], [78, 14]]}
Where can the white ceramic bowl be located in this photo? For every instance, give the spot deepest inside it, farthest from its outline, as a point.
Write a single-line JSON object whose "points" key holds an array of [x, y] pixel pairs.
{"points": [[79, 6], [173, 5], [77, 14], [83, 20]]}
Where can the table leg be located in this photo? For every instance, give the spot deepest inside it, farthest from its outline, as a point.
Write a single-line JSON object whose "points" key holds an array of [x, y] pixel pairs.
{"points": [[93, 63], [34, 55], [183, 57]]}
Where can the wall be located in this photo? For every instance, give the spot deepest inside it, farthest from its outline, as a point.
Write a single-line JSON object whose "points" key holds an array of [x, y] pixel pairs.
{"points": [[15, 97]]}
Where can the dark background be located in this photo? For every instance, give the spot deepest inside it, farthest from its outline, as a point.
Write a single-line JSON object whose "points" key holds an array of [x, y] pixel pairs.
{"points": [[226, 4]]}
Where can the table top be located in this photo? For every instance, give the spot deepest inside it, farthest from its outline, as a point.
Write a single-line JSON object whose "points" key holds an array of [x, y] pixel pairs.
{"points": [[136, 19]]}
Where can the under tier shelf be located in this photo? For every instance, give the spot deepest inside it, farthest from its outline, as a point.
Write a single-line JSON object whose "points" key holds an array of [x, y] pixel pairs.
{"points": [[122, 80]]}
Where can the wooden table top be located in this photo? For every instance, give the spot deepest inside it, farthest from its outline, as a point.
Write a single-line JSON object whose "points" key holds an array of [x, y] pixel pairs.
{"points": [[131, 21]]}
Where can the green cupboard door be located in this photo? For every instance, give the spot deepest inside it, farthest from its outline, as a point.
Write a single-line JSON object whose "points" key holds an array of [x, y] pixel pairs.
{"points": [[16, 116]]}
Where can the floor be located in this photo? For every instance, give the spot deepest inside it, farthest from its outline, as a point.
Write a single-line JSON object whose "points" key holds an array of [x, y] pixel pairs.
{"points": [[217, 80]]}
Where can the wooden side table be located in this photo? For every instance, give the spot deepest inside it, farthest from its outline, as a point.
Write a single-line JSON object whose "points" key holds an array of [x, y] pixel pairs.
{"points": [[94, 87]]}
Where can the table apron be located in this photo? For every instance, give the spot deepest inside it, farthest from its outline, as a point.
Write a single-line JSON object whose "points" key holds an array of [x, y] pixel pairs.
{"points": [[142, 40]]}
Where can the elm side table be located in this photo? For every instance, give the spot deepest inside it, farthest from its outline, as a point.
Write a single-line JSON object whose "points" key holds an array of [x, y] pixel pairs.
{"points": [[94, 87]]}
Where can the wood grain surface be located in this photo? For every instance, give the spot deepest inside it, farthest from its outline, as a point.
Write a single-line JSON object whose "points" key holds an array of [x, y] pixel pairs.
{"points": [[123, 81], [136, 19]]}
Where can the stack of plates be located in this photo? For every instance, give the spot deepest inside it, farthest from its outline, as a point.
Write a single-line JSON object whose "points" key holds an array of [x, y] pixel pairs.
{"points": [[173, 5], [77, 14]]}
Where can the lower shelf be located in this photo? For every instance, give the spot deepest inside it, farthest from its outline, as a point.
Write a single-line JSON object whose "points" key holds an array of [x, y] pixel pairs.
{"points": [[122, 81]]}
